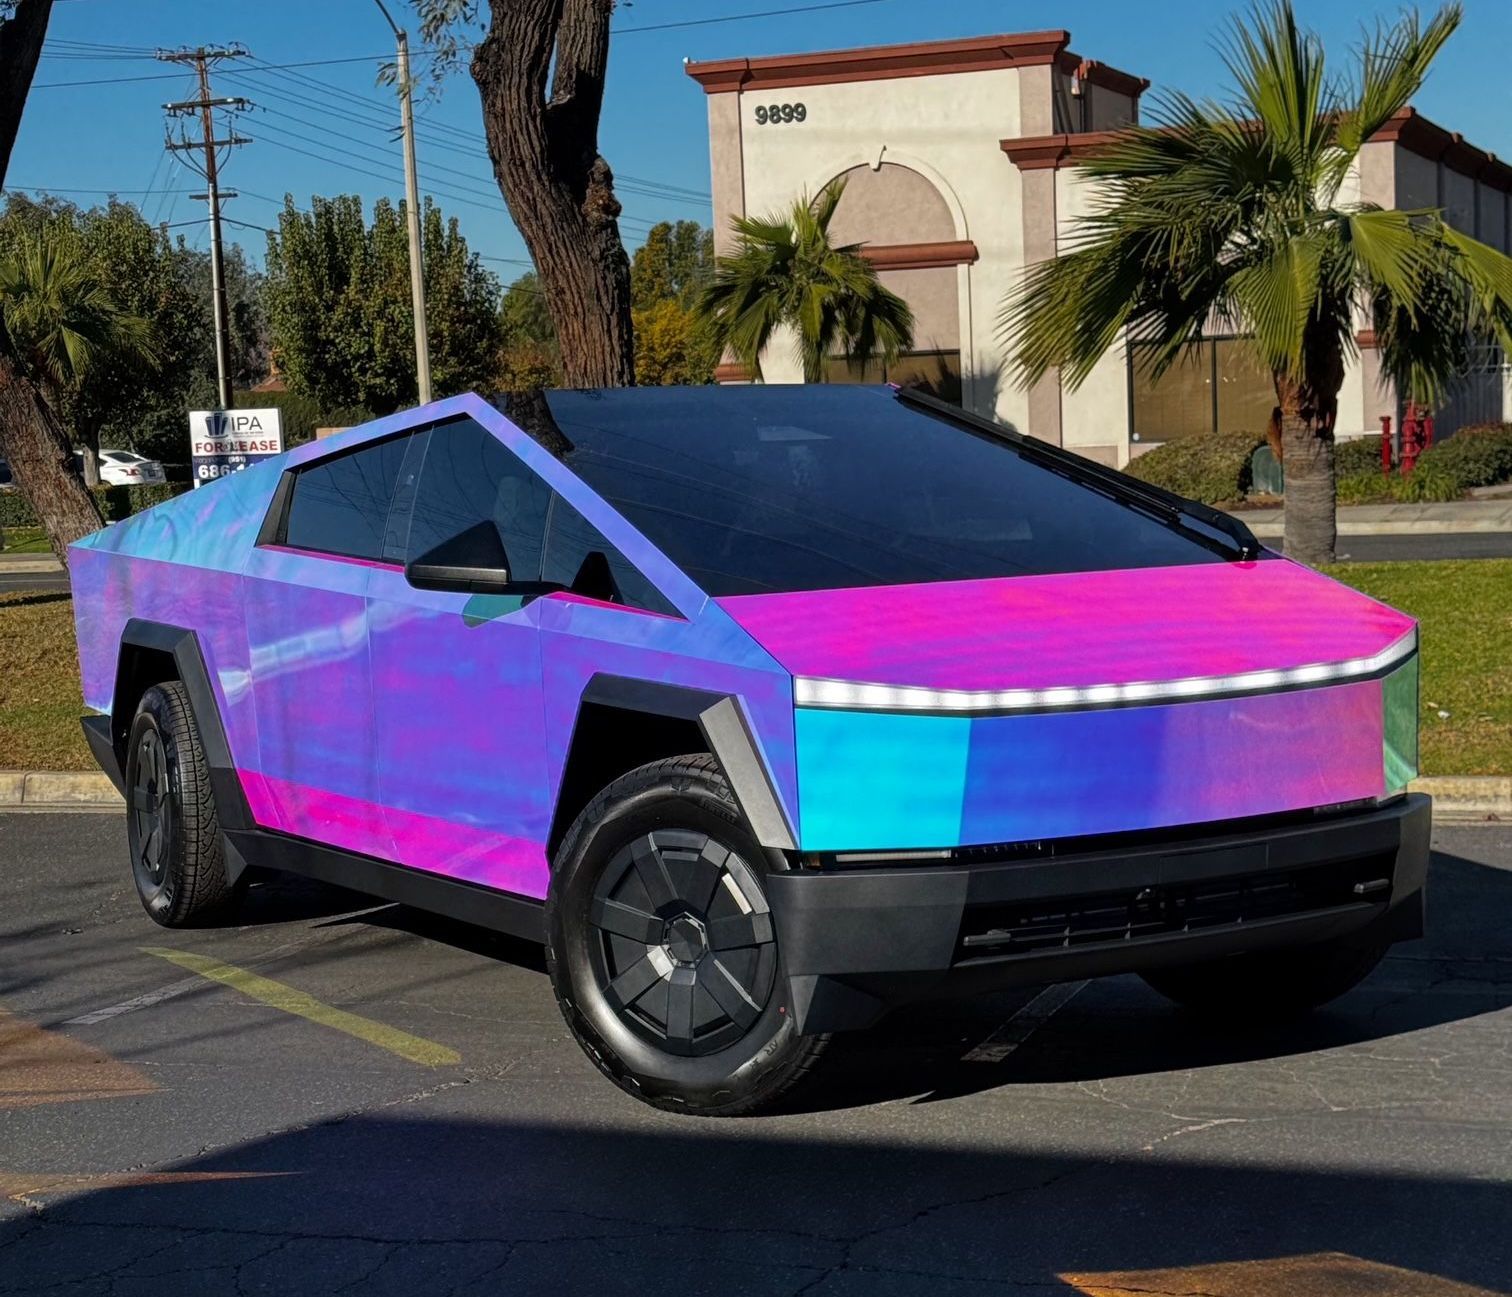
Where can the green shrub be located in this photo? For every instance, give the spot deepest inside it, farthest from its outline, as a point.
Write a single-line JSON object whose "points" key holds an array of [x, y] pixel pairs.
{"points": [[1476, 456], [1368, 487], [116, 502], [1357, 456], [1211, 467]]}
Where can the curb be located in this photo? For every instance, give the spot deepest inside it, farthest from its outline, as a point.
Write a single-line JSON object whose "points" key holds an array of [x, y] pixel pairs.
{"points": [[1275, 531], [28, 563], [1481, 797], [57, 790]]}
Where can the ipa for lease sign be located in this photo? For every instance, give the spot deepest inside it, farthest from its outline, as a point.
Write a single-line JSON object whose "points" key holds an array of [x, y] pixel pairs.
{"points": [[223, 441]]}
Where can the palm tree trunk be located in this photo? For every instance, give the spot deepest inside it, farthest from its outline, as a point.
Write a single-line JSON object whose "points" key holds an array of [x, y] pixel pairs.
{"points": [[1308, 412], [42, 462]]}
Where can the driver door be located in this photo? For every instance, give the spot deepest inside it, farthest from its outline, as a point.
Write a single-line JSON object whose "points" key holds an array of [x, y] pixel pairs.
{"points": [[456, 678]]}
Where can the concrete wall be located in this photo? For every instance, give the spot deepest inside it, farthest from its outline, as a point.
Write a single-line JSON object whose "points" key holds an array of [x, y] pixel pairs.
{"points": [[943, 129], [1095, 416]]}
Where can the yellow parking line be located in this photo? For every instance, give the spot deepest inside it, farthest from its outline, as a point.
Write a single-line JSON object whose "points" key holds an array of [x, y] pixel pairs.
{"points": [[301, 1005]]}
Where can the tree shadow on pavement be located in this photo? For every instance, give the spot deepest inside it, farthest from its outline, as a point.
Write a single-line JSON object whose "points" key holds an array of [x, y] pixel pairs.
{"points": [[647, 1205]]}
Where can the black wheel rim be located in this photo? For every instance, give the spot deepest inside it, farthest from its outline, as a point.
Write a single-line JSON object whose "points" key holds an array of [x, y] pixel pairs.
{"points": [[151, 807], [682, 941]]}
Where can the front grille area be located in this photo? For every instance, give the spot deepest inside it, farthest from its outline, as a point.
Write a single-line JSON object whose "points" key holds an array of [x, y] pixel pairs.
{"points": [[992, 932]]}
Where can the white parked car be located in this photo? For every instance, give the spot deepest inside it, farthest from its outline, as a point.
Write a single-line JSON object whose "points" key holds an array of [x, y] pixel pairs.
{"points": [[126, 468]]}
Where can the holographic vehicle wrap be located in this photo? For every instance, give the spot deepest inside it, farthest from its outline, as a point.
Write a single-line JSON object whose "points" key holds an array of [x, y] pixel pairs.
{"points": [[432, 729]]}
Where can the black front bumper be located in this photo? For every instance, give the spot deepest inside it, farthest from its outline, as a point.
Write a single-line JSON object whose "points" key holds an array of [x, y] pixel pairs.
{"points": [[858, 941]]}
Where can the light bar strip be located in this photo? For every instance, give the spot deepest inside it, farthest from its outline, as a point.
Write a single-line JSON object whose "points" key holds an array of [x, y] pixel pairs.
{"points": [[811, 691]]}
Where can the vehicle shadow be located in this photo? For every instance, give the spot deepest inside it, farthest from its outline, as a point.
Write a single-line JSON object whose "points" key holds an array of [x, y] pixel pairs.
{"points": [[925, 1052], [634, 1202]]}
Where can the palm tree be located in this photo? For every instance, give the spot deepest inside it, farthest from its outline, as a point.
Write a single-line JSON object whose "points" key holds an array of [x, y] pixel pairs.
{"points": [[1233, 219], [61, 319], [785, 270]]}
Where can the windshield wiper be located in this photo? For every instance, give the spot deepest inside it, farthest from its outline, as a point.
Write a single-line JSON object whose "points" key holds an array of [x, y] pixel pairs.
{"points": [[1166, 506]]}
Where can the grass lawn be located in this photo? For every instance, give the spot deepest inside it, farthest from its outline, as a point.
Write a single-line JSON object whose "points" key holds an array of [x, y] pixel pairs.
{"points": [[1465, 608], [24, 540], [40, 703]]}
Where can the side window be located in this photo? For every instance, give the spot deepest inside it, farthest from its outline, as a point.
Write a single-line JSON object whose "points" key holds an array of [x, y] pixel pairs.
{"points": [[580, 558], [341, 505], [477, 504]]}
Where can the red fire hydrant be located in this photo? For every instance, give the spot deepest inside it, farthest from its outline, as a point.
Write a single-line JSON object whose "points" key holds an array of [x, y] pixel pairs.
{"points": [[1412, 438]]}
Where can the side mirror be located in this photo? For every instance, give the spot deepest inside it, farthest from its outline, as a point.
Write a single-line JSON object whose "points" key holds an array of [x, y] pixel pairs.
{"points": [[463, 580], [472, 562]]}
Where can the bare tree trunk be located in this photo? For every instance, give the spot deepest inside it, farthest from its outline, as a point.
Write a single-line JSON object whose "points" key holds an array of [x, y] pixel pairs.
{"points": [[559, 189], [21, 37], [1308, 412], [42, 462]]}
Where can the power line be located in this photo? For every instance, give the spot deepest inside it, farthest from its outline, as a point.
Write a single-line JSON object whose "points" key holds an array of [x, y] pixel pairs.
{"points": [[168, 76], [736, 18]]}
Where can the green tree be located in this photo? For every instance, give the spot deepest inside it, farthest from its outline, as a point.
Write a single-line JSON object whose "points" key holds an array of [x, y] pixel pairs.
{"points": [[529, 356], [1234, 217], [785, 271], [64, 324], [674, 263], [31, 439], [673, 344], [338, 303]]}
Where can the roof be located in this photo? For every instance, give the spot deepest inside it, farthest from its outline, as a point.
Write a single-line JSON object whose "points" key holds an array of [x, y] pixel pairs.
{"points": [[917, 59], [1408, 129]]}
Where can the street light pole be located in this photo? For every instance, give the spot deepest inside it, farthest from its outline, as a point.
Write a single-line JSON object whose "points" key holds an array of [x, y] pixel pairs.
{"points": [[412, 210]]}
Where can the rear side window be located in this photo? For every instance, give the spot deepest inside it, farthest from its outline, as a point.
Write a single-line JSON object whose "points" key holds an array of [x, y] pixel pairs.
{"points": [[472, 490], [341, 505]]}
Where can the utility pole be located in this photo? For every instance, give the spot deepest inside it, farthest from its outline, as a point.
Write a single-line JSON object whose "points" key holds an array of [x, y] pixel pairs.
{"points": [[208, 165], [412, 208]]}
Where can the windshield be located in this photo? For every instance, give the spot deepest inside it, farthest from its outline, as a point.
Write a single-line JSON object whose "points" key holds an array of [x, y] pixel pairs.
{"points": [[758, 489]]}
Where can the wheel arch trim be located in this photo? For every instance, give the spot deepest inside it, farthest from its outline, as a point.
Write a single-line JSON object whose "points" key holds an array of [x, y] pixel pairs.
{"points": [[726, 728], [183, 646]]}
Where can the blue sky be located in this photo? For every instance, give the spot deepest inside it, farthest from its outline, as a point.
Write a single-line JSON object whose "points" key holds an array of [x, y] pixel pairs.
{"points": [[109, 136]]}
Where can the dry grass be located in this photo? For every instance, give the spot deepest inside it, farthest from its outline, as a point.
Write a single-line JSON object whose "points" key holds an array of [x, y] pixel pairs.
{"points": [[40, 701]]}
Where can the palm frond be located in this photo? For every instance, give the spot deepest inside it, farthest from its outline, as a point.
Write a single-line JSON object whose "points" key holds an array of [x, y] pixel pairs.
{"points": [[1394, 61]]}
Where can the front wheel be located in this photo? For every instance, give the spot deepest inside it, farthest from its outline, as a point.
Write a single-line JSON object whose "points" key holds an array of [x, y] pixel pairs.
{"points": [[177, 856], [662, 950], [1272, 984]]}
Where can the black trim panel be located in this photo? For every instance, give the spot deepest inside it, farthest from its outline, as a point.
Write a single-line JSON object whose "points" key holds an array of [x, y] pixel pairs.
{"points": [[858, 941], [189, 661], [101, 742], [729, 738], [519, 916]]}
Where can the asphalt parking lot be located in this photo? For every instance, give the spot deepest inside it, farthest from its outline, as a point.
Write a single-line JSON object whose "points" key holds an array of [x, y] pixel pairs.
{"points": [[340, 1096]]}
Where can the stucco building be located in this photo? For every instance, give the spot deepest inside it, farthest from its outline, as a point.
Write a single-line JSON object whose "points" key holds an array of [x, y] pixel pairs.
{"points": [[960, 161]]}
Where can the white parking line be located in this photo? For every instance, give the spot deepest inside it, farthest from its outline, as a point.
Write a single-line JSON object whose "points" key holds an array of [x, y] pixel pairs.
{"points": [[140, 1002], [1024, 1023]]}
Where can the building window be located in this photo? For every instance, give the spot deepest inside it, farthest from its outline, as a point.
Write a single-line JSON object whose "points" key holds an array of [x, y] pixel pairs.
{"points": [[1221, 386], [936, 372]]}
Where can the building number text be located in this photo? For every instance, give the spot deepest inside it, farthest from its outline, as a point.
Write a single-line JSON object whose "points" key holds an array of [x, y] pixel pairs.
{"points": [[775, 114]]}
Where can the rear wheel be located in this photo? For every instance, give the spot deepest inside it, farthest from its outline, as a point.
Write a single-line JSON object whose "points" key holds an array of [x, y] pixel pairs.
{"points": [[662, 949], [1272, 984], [177, 856]]}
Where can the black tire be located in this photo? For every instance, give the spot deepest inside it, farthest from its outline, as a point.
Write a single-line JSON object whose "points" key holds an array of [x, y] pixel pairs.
{"points": [[1272, 985], [177, 855], [661, 948]]}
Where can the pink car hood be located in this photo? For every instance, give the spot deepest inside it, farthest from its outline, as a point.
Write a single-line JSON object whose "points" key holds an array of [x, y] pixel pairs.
{"points": [[1072, 629]]}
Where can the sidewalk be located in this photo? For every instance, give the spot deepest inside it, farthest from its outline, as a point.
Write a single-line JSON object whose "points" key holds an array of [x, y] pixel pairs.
{"points": [[1462, 517]]}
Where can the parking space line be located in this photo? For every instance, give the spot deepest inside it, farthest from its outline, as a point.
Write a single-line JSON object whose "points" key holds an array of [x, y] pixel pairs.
{"points": [[301, 1005], [139, 1002], [1028, 1019]]}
